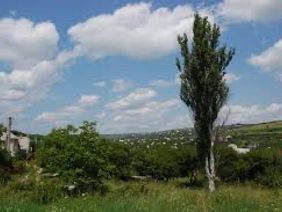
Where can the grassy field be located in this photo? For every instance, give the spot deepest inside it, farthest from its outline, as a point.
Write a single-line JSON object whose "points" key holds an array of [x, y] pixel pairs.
{"points": [[263, 134], [155, 197]]}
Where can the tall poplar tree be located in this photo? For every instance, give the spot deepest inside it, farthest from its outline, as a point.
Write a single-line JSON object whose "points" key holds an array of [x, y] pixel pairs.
{"points": [[203, 86]]}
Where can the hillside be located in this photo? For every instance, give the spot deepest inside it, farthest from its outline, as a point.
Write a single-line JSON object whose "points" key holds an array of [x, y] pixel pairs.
{"points": [[263, 134]]}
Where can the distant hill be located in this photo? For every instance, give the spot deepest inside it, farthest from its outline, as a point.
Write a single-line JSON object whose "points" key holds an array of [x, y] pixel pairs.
{"points": [[263, 134]]}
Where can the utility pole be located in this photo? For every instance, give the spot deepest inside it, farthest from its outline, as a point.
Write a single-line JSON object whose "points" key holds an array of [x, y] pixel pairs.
{"points": [[9, 134]]}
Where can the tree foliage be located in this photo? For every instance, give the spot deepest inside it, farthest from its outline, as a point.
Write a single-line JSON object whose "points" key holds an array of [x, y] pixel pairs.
{"points": [[263, 166], [203, 87], [77, 154]]}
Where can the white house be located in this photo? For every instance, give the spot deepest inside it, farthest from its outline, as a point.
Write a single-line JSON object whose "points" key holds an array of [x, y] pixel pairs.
{"points": [[238, 149], [16, 143]]}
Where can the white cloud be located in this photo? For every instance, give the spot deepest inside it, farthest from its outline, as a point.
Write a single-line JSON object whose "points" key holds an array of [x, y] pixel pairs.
{"points": [[135, 30], [68, 112], [29, 49], [269, 59], [139, 112], [24, 44], [20, 89], [139, 96], [120, 85], [100, 84], [147, 116], [251, 114], [161, 83], [251, 10], [88, 100], [151, 107], [230, 77]]}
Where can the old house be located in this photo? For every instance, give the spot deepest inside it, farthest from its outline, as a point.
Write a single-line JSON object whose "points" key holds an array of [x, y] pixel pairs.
{"points": [[17, 143]]}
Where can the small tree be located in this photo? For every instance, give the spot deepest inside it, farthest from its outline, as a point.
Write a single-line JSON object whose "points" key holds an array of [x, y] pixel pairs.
{"points": [[203, 87], [2, 129], [79, 155]]}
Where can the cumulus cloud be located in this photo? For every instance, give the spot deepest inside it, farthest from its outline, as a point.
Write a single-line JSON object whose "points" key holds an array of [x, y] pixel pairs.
{"points": [[151, 107], [24, 43], [146, 116], [136, 97], [88, 100], [230, 77], [270, 59], [251, 114], [251, 11], [135, 30], [21, 88], [140, 111], [30, 50], [67, 112], [162, 83], [120, 85]]}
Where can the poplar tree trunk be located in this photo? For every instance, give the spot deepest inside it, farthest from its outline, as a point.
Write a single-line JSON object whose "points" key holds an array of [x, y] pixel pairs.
{"points": [[210, 168]]}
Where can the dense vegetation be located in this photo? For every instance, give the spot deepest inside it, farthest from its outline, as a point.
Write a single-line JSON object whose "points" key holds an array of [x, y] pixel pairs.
{"points": [[97, 173]]}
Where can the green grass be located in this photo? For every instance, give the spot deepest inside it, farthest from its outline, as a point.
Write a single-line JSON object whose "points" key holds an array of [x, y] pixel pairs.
{"points": [[262, 127], [264, 134], [156, 197]]}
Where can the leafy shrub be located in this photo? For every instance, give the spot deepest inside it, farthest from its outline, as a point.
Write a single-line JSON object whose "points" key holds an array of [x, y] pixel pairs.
{"points": [[164, 161], [5, 158], [21, 155], [121, 158], [5, 162], [20, 166], [79, 155], [271, 177], [264, 166], [231, 167], [4, 177]]}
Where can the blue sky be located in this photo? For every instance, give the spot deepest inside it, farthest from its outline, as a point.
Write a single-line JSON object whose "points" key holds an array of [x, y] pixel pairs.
{"points": [[62, 62]]}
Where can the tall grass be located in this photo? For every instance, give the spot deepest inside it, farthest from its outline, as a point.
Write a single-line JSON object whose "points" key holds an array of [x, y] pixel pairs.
{"points": [[157, 197]]}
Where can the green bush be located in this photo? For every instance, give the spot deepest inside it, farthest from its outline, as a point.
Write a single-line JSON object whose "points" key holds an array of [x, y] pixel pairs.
{"points": [[5, 158], [20, 166], [4, 177], [121, 159], [21, 155], [78, 155], [231, 167], [263, 166], [164, 161]]}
